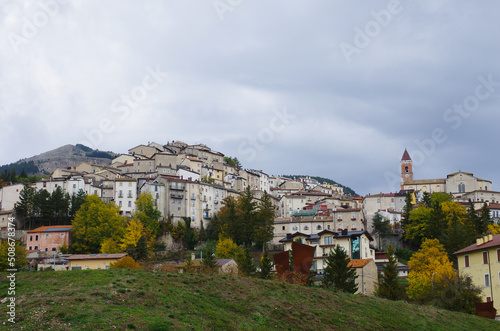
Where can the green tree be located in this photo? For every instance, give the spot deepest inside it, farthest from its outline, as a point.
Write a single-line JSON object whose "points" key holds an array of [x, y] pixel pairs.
{"points": [[459, 294], [76, 202], [43, 207], [227, 221], [95, 222], [381, 227], [209, 263], [59, 202], [405, 216], [389, 286], [338, 275], [232, 161], [147, 213], [26, 206], [266, 265], [190, 238], [246, 266], [19, 261], [484, 220], [264, 227], [246, 211]]}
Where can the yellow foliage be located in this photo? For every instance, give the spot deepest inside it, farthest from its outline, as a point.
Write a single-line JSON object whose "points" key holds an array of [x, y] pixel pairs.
{"points": [[429, 269], [125, 263], [133, 233], [227, 249], [109, 246], [494, 228]]}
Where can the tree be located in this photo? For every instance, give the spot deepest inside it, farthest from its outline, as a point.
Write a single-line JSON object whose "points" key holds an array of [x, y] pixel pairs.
{"points": [[484, 220], [264, 227], [227, 249], [19, 261], [43, 208], [232, 161], [459, 294], [133, 233], [389, 286], [338, 275], [147, 213], [190, 238], [125, 263], [95, 222], [209, 264], [59, 202], [246, 267], [381, 226], [266, 265], [246, 211], [405, 217], [430, 268], [227, 221], [76, 202], [26, 206], [109, 246]]}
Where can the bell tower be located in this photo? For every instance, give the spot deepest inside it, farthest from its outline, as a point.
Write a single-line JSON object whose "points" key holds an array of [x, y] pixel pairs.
{"points": [[406, 168]]}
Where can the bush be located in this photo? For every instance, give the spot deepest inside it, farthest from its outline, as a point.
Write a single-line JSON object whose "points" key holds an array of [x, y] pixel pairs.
{"points": [[125, 263]]}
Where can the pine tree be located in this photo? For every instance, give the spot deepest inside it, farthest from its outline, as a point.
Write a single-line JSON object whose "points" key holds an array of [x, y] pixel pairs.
{"points": [[246, 212], [389, 286], [266, 265], [26, 206], [405, 217], [246, 267], [264, 227], [338, 275], [209, 263], [381, 226], [484, 220]]}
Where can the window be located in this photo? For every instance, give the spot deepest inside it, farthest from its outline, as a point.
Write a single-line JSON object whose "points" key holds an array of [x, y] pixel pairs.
{"points": [[328, 240], [318, 227], [36, 248], [36, 237], [74, 185], [130, 203], [46, 249], [53, 249], [283, 228], [488, 299], [294, 228], [156, 188], [106, 267], [46, 236], [328, 226], [62, 235], [30, 248], [306, 228], [120, 203], [76, 268], [498, 255], [407, 169], [31, 238], [486, 280], [485, 257], [466, 262], [461, 188]]}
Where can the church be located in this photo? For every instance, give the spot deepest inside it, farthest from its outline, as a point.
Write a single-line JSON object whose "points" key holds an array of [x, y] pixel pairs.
{"points": [[457, 184]]}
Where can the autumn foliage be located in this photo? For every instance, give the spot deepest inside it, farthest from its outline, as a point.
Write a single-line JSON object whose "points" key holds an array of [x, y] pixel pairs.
{"points": [[125, 263]]}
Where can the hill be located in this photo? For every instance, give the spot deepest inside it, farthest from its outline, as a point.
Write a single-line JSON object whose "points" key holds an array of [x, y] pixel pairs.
{"points": [[347, 190], [145, 300], [62, 157]]}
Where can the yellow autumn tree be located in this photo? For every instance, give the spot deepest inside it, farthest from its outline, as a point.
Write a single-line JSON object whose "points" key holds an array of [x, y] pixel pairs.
{"points": [[110, 246], [133, 233], [227, 249], [494, 228], [430, 270]]}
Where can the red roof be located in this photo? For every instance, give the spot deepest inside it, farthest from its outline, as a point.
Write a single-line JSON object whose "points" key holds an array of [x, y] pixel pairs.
{"points": [[406, 156], [359, 263], [51, 228], [475, 247]]}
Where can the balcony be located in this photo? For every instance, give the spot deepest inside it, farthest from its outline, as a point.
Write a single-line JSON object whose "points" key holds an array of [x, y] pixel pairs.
{"points": [[353, 218], [175, 187], [120, 196], [176, 195]]}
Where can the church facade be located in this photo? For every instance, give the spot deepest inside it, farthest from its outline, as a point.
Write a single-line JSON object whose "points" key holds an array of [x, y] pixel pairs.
{"points": [[457, 184]]}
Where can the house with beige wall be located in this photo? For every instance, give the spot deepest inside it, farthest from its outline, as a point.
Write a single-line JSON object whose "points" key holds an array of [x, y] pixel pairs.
{"points": [[93, 261], [481, 263]]}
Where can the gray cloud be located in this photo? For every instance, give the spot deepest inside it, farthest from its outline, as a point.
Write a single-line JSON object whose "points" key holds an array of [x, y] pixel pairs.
{"points": [[226, 79]]}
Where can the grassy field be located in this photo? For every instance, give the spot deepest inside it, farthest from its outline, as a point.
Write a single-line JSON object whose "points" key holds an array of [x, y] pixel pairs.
{"points": [[145, 300]]}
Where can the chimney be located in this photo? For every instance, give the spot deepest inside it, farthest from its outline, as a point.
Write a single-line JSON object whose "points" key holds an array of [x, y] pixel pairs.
{"points": [[485, 238], [490, 236], [192, 256], [479, 240]]}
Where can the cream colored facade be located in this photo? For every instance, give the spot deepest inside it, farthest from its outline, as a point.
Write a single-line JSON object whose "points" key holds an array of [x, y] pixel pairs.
{"points": [[93, 261], [9, 196], [481, 262], [147, 151]]}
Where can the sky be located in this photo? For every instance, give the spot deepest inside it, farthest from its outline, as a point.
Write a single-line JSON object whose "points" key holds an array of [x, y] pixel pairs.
{"points": [[336, 89]]}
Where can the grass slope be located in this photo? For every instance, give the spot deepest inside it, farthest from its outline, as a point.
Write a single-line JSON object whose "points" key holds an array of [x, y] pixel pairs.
{"points": [[144, 300]]}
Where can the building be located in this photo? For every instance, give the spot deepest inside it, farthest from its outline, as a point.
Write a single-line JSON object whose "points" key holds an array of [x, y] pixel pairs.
{"points": [[48, 238], [481, 263], [457, 184], [355, 243], [93, 261]]}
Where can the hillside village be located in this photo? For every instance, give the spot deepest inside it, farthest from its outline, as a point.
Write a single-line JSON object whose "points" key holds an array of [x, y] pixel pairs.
{"points": [[192, 181]]}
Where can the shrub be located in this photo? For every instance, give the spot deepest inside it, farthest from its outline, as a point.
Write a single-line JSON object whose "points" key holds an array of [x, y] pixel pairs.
{"points": [[125, 263]]}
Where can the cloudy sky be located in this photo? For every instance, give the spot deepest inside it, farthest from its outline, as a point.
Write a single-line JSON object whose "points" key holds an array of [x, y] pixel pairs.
{"points": [[329, 88]]}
